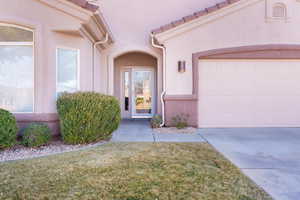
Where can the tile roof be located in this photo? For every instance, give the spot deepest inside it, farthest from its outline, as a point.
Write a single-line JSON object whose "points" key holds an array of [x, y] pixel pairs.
{"points": [[85, 4], [194, 16]]}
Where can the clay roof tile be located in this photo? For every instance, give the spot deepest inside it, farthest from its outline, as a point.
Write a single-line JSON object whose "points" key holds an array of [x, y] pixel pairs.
{"points": [[194, 16], [85, 4]]}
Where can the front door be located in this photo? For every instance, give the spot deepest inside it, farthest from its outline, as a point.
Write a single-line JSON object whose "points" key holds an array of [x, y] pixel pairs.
{"points": [[138, 93], [142, 93]]}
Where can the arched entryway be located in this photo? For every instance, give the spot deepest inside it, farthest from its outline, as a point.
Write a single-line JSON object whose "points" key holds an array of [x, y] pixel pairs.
{"points": [[135, 84]]}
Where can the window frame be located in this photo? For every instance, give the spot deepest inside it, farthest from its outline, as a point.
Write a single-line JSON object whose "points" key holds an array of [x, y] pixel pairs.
{"points": [[57, 67], [282, 6], [33, 60]]}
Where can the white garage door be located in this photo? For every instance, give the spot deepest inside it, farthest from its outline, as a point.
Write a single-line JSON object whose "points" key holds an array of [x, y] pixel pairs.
{"points": [[249, 93]]}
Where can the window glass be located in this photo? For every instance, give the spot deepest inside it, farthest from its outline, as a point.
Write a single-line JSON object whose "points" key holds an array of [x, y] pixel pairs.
{"points": [[127, 89], [67, 70], [14, 34], [279, 11], [142, 92], [16, 74]]}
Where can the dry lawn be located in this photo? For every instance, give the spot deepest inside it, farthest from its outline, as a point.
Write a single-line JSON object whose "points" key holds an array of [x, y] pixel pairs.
{"points": [[129, 171]]}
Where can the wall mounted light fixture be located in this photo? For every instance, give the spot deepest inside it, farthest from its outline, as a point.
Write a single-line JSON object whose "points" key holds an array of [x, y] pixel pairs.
{"points": [[181, 66]]}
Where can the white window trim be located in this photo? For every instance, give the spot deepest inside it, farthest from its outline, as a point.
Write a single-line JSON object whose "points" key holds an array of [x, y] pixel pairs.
{"points": [[77, 67], [33, 60], [17, 26], [16, 43]]}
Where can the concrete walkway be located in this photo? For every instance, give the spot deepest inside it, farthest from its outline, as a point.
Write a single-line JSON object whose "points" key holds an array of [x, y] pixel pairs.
{"points": [[138, 130], [269, 156]]}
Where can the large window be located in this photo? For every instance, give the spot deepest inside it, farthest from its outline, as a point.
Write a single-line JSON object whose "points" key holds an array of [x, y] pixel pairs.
{"points": [[67, 70], [16, 69]]}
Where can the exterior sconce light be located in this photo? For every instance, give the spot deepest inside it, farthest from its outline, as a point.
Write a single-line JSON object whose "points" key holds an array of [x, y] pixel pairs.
{"points": [[181, 66]]}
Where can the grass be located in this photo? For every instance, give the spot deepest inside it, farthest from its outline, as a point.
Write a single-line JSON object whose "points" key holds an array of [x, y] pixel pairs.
{"points": [[135, 171]]}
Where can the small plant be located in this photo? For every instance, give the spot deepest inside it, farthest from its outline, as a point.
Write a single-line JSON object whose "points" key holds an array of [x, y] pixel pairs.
{"points": [[180, 121], [87, 117], [36, 135], [156, 121], [8, 129], [139, 100], [244, 197]]}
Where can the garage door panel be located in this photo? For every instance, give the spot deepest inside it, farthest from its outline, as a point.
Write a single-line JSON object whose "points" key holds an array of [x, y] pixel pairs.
{"points": [[222, 114], [269, 111], [213, 82], [277, 87], [249, 93]]}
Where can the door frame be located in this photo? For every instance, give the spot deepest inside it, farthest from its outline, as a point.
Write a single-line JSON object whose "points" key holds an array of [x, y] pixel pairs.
{"points": [[131, 69]]}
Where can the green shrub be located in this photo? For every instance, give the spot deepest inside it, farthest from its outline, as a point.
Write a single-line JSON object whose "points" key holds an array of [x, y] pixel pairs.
{"points": [[156, 121], [36, 135], [87, 117], [8, 129], [180, 121]]}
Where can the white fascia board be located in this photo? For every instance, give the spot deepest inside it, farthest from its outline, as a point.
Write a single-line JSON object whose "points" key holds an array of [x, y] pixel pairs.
{"points": [[69, 8]]}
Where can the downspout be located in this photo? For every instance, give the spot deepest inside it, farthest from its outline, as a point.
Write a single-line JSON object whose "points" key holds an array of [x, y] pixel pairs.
{"points": [[105, 40], [163, 77]]}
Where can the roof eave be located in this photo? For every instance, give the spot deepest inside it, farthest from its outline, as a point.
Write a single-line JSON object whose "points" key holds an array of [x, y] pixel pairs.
{"points": [[205, 16], [96, 29], [69, 8], [85, 5]]}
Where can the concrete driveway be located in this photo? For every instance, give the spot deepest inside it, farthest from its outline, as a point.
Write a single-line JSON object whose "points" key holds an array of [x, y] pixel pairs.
{"points": [[269, 156]]}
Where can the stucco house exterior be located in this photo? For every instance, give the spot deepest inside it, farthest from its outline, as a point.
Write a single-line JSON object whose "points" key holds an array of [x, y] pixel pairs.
{"points": [[233, 64]]}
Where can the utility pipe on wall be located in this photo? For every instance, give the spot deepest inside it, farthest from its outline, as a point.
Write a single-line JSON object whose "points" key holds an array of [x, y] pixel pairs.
{"points": [[105, 40], [163, 77]]}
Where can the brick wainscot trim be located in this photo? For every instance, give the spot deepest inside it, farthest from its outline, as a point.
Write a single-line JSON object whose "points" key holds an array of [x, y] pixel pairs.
{"points": [[51, 119]]}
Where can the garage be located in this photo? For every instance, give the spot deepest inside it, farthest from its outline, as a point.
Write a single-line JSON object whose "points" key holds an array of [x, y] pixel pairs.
{"points": [[236, 64], [248, 93]]}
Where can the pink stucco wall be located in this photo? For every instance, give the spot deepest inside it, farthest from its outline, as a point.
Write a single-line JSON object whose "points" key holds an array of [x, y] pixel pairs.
{"points": [[52, 28], [245, 24]]}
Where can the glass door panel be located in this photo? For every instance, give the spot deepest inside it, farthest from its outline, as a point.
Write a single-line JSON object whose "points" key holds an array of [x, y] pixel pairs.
{"points": [[126, 93], [142, 83]]}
